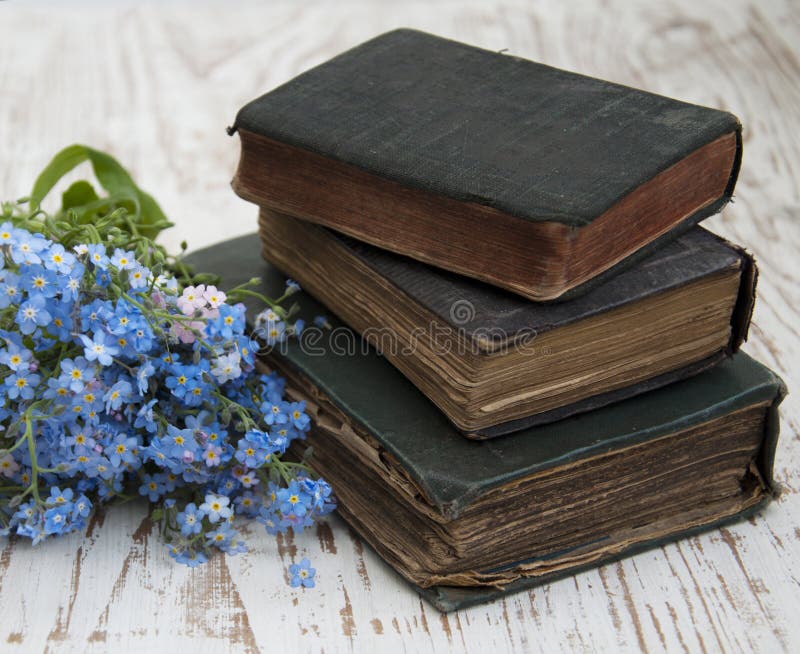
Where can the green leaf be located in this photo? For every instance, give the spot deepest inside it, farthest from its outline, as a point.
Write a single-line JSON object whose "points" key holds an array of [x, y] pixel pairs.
{"points": [[156, 515], [77, 195], [61, 164], [146, 214]]}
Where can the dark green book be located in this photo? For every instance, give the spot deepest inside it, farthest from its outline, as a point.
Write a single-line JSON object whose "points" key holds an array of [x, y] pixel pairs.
{"points": [[467, 521], [530, 178]]}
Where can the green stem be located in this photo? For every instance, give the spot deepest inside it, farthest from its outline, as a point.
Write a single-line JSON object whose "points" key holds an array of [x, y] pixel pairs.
{"points": [[273, 304], [34, 486], [18, 444]]}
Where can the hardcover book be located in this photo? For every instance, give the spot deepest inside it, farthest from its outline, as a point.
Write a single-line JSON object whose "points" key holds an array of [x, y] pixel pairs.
{"points": [[530, 178], [467, 521], [494, 362]]}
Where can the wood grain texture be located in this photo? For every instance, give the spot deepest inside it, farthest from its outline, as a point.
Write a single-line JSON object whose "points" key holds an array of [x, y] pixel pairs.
{"points": [[156, 86]]}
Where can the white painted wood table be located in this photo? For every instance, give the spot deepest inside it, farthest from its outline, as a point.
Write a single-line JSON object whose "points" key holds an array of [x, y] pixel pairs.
{"points": [[156, 85]]}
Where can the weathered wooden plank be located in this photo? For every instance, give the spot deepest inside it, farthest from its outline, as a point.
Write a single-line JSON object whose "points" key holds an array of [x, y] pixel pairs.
{"points": [[156, 85]]}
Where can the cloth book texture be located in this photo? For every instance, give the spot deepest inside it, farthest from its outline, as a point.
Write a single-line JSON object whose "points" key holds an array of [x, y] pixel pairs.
{"points": [[537, 142], [366, 403], [534, 179]]}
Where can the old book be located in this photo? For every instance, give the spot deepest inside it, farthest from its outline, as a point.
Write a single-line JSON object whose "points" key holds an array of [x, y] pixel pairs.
{"points": [[527, 177], [466, 521], [494, 362]]}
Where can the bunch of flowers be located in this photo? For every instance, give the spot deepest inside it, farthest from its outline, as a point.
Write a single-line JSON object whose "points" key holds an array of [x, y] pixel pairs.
{"points": [[120, 379]]}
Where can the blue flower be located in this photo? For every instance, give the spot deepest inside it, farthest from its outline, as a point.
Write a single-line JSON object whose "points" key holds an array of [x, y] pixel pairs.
{"points": [[191, 520], [229, 322], [299, 418], [272, 521], [275, 413], [143, 374], [56, 520], [39, 280], [216, 507], [122, 450], [102, 278], [189, 558], [8, 233], [293, 500], [320, 492], [227, 367], [302, 574], [272, 332], [99, 466], [59, 497], [118, 394], [247, 504], [212, 455], [10, 290], [75, 373], [62, 323], [70, 283], [221, 536], [145, 417], [235, 546], [179, 441], [82, 507], [25, 247], [252, 451], [16, 357], [97, 255], [123, 260], [152, 486], [58, 259], [95, 316], [98, 349], [192, 559], [138, 276], [32, 314], [181, 380], [21, 384]]}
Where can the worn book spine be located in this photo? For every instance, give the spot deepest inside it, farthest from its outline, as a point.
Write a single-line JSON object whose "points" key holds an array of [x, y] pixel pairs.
{"points": [[476, 161], [392, 208], [740, 326], [447, 598], [361, 302]]}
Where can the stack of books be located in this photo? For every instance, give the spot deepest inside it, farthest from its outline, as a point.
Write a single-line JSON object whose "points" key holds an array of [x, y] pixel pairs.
{"points": [[552, 378]]}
